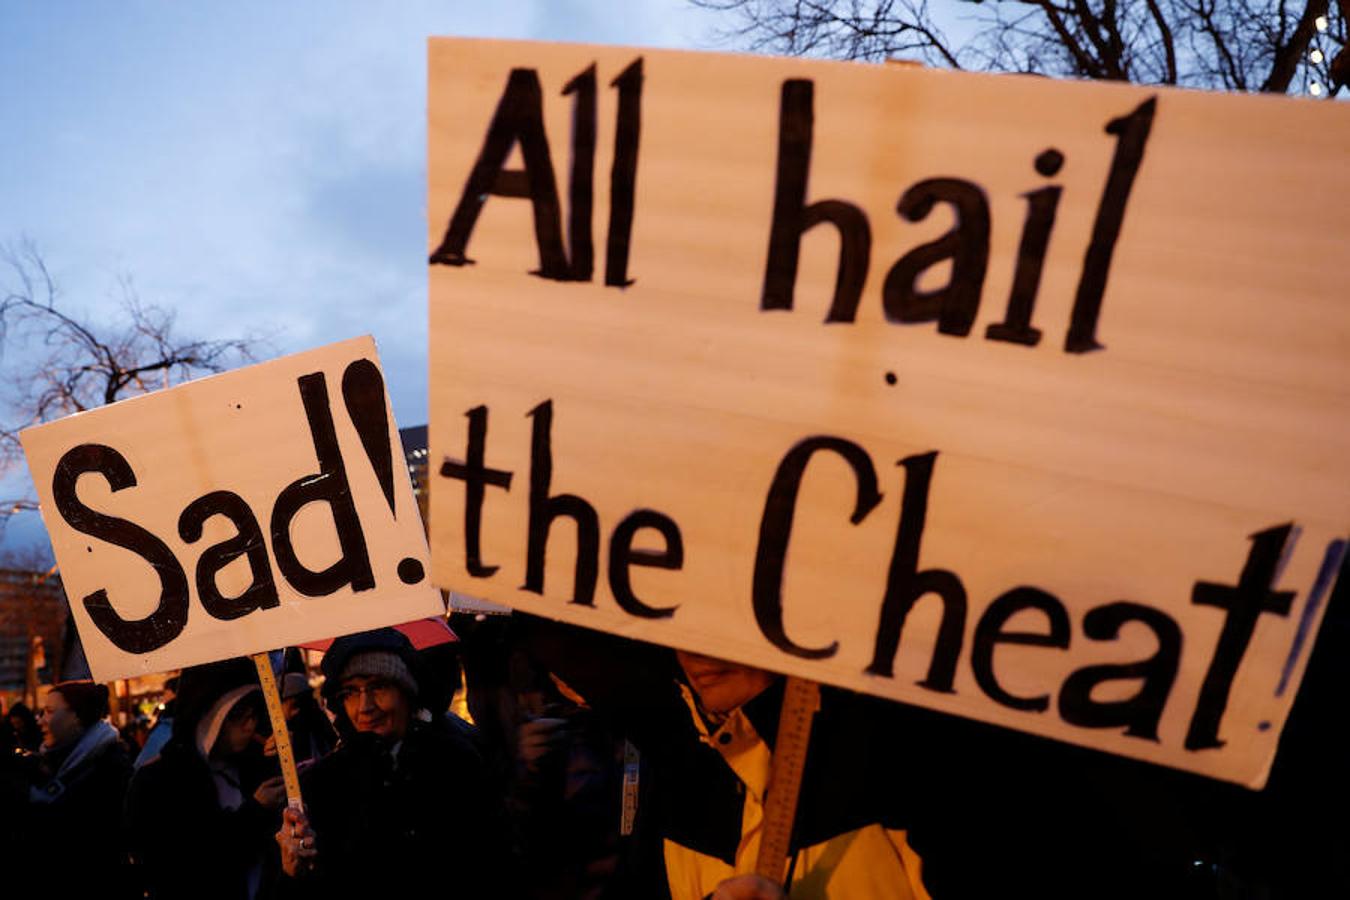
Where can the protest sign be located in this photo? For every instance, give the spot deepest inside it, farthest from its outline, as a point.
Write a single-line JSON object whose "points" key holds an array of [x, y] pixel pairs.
{"points": [[1021, 400], [234, 514]]}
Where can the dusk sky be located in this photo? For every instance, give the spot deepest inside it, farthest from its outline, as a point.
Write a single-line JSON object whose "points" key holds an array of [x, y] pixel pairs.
{"points": [[257, 167]]}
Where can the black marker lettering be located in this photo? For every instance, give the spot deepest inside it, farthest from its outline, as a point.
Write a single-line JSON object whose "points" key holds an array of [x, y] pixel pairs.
{"points": [[171, 614], [261, 592], [623, 175], [329, 486], [476, 477], [581, 186], [544, 509], [989, 633], [1139, 714], [519, 119], [775, 528], [1244, 605], [967, 245], [1131, 137], [363, 395], [622, 555], [905, 585], [792, 217], [1041, 206]]}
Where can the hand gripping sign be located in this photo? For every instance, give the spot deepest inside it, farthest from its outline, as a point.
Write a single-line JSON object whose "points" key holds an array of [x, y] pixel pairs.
{"points": [[234, 514], [1022, 400]]}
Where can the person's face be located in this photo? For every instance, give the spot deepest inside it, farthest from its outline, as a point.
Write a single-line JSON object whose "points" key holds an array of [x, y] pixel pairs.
{"points": [[290, 707], [722, 686], [375, 705], [58, 720], [241, 724]]}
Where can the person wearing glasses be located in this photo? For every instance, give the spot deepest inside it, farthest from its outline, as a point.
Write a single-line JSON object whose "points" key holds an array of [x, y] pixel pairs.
{"points": [[69, 795], [405, 798]]}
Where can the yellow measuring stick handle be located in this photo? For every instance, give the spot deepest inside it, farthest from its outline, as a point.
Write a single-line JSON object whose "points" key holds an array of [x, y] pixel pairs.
{"points": [[801, 699], [289, 774]]}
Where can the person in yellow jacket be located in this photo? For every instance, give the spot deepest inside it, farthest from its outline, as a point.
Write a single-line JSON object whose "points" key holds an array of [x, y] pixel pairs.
{"points": [[837, 852]]}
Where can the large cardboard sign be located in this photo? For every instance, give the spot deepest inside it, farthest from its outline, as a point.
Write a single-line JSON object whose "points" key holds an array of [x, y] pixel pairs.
{"points": [[242, 512], [1026, 401]]}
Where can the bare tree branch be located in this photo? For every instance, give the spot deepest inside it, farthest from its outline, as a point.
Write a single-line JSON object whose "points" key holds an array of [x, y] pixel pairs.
{"points": [[1338, 72], [61, 362], [1233, 44], [1287, 57], [1086, 64], [1168, 44], [843, 29]]}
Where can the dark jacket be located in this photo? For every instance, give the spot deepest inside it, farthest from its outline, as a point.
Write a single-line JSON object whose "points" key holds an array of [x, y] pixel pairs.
{"points": [[384, 821], [185, 844], [72, 822], [991, 812]]}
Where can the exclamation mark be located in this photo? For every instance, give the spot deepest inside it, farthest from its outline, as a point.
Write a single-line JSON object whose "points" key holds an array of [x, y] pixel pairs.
{"points": [[363, 393]]}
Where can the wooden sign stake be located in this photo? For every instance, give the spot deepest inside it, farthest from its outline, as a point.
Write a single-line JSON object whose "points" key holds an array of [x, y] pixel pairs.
{"points": [[289, 774], [801, 700]]}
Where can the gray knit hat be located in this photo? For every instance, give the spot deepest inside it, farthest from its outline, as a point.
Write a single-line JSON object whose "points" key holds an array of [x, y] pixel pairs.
{"points": [[380, 664]]}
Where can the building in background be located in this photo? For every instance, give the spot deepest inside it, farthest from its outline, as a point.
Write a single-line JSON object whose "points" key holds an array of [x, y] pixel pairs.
{"points": [[414, 440], [33, 614]]}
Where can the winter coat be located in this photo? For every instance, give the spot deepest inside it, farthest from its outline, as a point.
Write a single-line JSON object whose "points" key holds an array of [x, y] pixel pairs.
{"points": [[844, 847], [186, 842], [71, 827], [985, 812], [386, 817]]}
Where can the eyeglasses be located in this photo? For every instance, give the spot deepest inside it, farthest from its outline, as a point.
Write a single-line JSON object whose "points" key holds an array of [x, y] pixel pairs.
{"points": [[380, 690]]}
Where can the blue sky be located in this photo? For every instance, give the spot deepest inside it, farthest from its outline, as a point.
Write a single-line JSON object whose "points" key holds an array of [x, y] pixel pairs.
{"points": [[257, 167]]}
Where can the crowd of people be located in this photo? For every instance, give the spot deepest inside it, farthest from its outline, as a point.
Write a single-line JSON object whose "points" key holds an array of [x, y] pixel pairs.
{"points": [[598, 767]]}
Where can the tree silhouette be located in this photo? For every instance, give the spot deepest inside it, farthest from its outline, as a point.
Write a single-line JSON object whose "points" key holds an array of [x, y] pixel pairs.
{"points": [[1271, 46]]}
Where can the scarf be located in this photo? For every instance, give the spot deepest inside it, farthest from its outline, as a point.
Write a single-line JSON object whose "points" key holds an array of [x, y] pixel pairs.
{"points": [[96, 739]]}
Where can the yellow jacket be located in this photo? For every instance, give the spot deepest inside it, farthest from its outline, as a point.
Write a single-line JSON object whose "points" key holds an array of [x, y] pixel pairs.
{"points": [[870, 862]]}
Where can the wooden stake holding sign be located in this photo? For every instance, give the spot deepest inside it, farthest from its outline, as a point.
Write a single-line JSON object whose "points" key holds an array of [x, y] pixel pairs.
{"points": [[280, 732], [801, 701], [156, 509]]}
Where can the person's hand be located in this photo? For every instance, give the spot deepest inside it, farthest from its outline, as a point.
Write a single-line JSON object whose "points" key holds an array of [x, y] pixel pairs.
{"points": [[296, 840], [271, 794], [748, 887], [535, 739], [270, 745]]}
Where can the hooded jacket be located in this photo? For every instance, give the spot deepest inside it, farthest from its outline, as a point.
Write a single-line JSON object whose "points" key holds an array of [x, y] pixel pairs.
{"points": [[193, 832]]}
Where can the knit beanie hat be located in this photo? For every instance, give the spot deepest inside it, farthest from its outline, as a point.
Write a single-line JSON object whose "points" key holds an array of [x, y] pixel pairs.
{"points": [[87, 699], [380, 664]]}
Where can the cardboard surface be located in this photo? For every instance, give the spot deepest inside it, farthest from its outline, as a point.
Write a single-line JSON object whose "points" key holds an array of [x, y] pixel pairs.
{"points": [[238, 513], [1048, 428]]}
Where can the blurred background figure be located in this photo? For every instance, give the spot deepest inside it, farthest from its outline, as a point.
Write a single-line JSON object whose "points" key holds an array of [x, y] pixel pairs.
{"points": [[162, 729], [27, 735], [312, 734], [581, 792], [135, 733], [201, 816], [69, 830]]}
